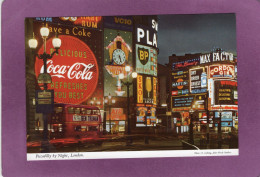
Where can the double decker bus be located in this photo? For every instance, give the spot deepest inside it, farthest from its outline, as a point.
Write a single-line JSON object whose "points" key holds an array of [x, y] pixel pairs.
{"points": [[75, 123]]}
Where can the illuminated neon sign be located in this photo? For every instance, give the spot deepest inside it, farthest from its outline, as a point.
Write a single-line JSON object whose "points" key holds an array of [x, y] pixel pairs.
{"points": [[146, 60], [216, 57], [183, 101], [74, 71], [86, 21], [198, 80], [226, 92], [139, 89], [186, 63], [147, 35], [216, 71], [154, 90]]}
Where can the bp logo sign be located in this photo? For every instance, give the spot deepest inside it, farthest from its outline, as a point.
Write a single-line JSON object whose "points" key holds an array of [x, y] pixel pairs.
{"points": [[143, 55]]}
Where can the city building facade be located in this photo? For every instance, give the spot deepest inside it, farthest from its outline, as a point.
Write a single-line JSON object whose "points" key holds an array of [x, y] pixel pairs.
{"points": [[90, 69], [204, 87]]}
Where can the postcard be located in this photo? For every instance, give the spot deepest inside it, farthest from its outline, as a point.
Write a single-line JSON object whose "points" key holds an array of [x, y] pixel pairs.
{"points": [[108, 86], [133, 88]]}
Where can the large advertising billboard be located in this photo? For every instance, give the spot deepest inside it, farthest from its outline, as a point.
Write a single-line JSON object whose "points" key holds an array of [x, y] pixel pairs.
{"points": [[75, 70], [226, 92], [141, 114], [117, 53], [180, 82], [146, 60], [217, 56], [225, 116], [146, 89], [145, 116], [124, 23], [185, 63], [94, 22], [117, 114], [182, 101], [198, 80], [221, 71], [226, 119], [146, 34]]}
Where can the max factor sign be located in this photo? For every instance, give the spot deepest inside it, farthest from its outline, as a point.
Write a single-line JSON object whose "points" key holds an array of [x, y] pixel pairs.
{"points": [[216, 57]]}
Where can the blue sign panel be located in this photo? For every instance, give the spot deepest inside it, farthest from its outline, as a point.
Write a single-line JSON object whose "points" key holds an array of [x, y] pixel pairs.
{"points": [[124, 23], [199, 90], [225, 124], [140, 118], [47, 19], [225, 116], [184, 101], [186, 63]]}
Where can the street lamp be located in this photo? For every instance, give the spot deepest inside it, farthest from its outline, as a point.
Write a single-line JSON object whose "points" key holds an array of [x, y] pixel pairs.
{"points": [[219, 128], [207, 109], [191, 111], [128, 84], [166, 111], [45, 77], [56, 42], [109, 101]]}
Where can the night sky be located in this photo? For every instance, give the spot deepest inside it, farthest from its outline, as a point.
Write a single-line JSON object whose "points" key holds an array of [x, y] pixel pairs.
{"points": [[181, 34]]}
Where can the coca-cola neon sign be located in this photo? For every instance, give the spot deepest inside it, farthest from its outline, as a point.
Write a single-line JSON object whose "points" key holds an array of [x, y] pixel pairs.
{"points": [[74, 70], [61, 71]]}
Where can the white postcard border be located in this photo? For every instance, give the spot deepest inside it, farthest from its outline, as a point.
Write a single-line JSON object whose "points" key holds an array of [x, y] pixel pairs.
{"points": [[131, 154]]}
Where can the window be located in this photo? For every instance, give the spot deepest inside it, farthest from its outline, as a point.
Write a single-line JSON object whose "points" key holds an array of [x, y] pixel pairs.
{"points": [[83, 111], [77, 128], [83, 128], [58, 109], [77, 111], [92, 118], [88, 111], [94, 111], [71, 110], [92, 128]]}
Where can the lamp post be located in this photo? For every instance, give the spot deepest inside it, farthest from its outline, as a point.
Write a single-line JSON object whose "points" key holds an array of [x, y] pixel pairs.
{"points": [[46, 78], [219, 128], [167, 116], [207, 109], [191, 111], [128, 84], [109, 101]]}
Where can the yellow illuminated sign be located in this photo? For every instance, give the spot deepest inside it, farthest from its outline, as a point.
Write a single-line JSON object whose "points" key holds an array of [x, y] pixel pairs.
{"points": [[139, 89], [154, 90]]}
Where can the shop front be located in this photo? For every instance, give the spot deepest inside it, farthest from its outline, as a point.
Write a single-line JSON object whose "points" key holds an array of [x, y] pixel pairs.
{"points": [[116, 121]]}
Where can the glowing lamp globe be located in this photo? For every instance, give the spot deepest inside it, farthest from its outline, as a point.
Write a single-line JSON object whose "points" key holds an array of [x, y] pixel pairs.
{"points": [[56, 42], [134, 74], [127, 68], [44, 31], [121, 76], [33, 43]]}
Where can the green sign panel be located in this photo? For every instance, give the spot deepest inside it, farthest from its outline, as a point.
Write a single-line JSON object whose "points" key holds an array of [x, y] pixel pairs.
{"points": [[146, 60]]}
